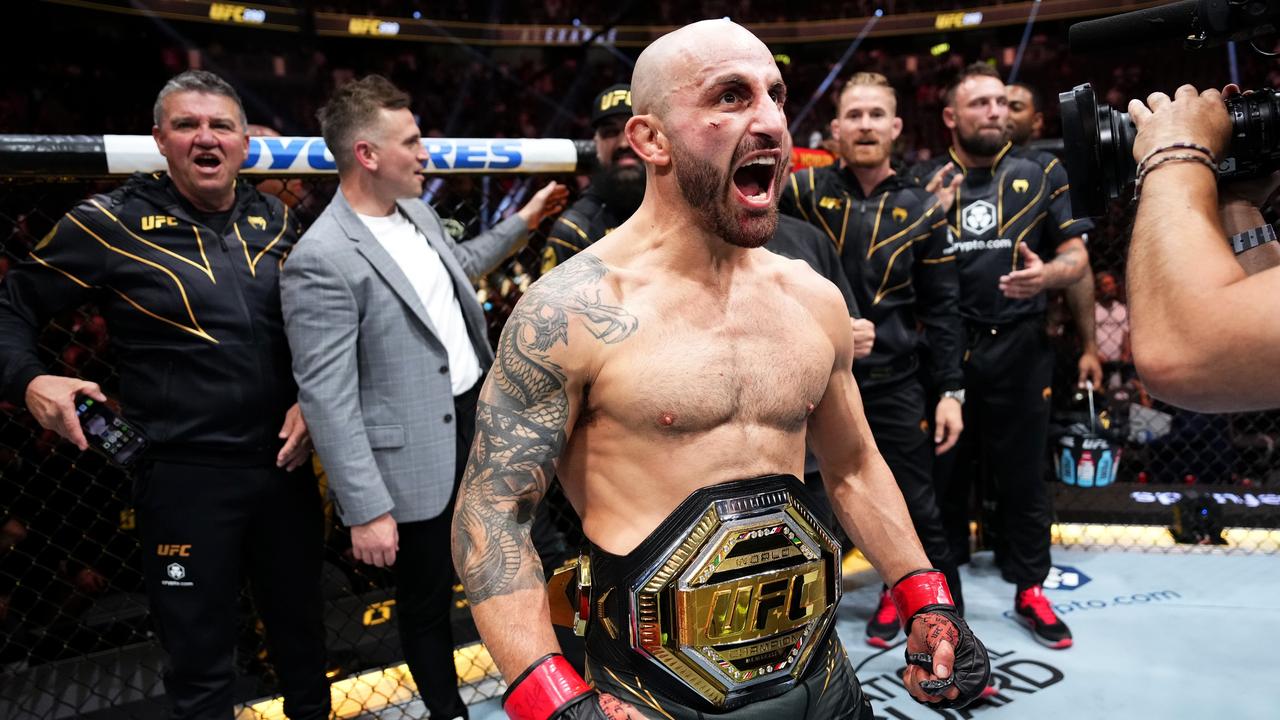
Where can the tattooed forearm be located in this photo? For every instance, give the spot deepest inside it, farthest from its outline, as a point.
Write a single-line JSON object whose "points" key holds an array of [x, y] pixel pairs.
{"points": [[1067, 266], [1070, 258], [505, 479], [522, 423]]}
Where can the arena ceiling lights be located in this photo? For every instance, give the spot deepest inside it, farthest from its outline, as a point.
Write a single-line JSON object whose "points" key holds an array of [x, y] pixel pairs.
{"points": [[286, 19]]}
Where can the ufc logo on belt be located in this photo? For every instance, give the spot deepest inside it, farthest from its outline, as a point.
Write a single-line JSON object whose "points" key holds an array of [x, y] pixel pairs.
{"points": [[750, 609]]}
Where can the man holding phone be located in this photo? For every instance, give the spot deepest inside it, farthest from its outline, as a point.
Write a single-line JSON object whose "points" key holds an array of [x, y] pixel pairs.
{"points": [[185, 266]]}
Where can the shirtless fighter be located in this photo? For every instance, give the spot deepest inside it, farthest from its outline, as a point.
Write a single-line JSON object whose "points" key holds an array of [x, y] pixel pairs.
{"points": [[670, 374]]}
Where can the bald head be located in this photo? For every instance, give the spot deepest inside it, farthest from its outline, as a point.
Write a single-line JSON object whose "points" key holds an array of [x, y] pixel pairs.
{"points": [[709, 125], [676, 60]]}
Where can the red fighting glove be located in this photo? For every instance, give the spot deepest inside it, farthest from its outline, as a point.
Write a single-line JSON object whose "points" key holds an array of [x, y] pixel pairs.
{"points": [[917, 590], [550, 689], [925, 593]]}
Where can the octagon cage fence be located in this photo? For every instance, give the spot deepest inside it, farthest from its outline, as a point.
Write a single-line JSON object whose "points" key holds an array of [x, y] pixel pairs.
{"points": [[75, 637]]}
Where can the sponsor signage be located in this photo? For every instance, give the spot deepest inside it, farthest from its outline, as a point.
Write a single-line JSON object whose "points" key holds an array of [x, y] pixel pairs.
{"points": [[308, 155], [1065, 578], [425, 29], [231, 13], [957, 20], [1151, 504], [1015, 675], [373, 27]]}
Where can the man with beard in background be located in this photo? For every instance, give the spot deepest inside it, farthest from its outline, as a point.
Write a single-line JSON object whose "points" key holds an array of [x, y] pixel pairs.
{"points": [[1026, 125], [892, 238], [616, 188], [1005, 217], [670, 375]]}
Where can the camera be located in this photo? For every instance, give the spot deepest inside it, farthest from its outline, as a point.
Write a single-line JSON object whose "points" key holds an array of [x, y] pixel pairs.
{"points": [[1098, 145], [1098, 139]]}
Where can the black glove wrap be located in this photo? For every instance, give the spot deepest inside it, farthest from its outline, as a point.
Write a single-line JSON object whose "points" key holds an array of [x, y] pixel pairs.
{"points": [[583, 707], [971, 672]]}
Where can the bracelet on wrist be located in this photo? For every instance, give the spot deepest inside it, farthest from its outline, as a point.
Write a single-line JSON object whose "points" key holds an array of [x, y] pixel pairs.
{"points": [[1178, 146], [1169, 159]]}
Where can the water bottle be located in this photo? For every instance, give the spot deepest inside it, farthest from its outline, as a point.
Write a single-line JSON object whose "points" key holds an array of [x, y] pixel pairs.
{"points": [[1085, 472]]}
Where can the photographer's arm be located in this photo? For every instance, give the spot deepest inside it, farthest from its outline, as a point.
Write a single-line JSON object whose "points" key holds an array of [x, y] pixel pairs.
{"points": [[1204, 333]]}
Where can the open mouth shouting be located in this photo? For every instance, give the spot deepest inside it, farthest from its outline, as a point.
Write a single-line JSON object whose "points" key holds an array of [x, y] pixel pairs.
{"points": [[207, 163], [756, 177]]}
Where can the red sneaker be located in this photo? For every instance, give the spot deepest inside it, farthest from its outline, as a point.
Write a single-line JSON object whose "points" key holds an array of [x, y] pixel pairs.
{"points": [[1035, 611], [883, 627]]}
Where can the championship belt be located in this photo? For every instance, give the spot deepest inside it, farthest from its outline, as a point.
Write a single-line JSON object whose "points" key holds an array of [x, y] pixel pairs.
{"points": [[722, 605]]}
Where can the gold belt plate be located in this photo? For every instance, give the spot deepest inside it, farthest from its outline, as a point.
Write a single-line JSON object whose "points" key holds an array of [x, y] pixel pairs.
{"points": [[739, 602]]}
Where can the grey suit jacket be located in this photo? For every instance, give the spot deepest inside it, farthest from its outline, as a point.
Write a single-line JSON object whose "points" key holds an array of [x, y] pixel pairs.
{"points": [[373, 375]]}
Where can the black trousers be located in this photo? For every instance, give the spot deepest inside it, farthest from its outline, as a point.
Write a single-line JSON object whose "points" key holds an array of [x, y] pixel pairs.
{"points": [[1008, 378], [203, 530], [903, 434], [424, 587]]}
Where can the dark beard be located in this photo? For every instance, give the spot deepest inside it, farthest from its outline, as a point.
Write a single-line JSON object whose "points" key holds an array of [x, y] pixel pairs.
{"points": [[979, 145], [621, 189], [706, 188], [1018, 137]]}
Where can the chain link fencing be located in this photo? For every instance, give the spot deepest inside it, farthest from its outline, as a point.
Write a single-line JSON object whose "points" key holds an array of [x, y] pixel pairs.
{"points": [[1154, 471], [75, 638]]}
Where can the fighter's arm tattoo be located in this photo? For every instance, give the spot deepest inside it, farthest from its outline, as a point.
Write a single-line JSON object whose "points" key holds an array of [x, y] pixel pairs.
{"points": [[1068, 265], [522, 425]]}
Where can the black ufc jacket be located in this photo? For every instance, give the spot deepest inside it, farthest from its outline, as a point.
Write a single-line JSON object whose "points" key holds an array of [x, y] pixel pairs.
{"points": [[893, 245], [193, 315]]}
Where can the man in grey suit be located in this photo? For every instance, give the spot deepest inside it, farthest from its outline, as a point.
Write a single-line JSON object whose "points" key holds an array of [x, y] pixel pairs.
{"points": [[389, 348]]}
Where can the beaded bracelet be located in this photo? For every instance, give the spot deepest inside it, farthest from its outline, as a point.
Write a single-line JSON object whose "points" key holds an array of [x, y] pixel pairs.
{"points": [[1178, 146], [1180, 157]]}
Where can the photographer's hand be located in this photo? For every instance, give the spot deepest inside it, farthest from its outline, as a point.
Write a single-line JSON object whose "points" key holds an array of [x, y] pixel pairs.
{"points": [[1190, 117], [1202, 331]]}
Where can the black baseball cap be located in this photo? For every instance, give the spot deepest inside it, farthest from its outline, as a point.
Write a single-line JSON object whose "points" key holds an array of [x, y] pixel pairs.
{"points": [[614, 100]]}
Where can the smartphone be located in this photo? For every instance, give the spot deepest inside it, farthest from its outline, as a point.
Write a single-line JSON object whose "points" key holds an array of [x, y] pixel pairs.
{"points": [[109, 433]]}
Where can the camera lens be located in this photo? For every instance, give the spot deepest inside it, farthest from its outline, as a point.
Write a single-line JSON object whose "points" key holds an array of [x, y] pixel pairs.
{"points": [[1098, 145], [1255, 127], [1098, 150], [1115, 135]]}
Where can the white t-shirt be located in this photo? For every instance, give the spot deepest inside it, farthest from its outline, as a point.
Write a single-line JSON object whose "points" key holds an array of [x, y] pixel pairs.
{"points": [[1112, 329], [431, 280]]}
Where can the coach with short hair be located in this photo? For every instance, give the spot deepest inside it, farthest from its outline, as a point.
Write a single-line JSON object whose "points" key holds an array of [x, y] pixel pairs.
{"points": [[389, 347], [185, 266]]}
